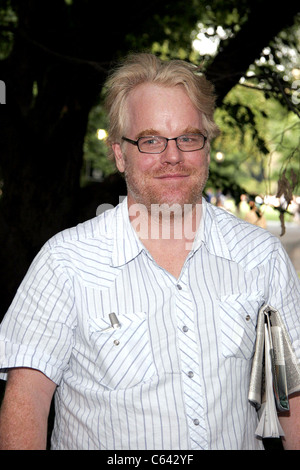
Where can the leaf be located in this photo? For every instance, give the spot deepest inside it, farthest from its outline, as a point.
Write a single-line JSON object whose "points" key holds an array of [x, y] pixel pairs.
{"points": [[285, 189], [282, 223]]}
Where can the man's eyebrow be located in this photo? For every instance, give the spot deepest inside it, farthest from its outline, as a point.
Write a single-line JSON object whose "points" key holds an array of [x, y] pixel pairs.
{"points": [[147, 132], [187, 130]]}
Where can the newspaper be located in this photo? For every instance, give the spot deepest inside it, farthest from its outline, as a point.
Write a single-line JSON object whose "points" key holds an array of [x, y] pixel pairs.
{"points": [[275, 372]]}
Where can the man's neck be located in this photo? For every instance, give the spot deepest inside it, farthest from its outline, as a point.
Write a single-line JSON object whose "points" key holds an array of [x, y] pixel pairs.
{"points": [[167, 231], [165, 222]]}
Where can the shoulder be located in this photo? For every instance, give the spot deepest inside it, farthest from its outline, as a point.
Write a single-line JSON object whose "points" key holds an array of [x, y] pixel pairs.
{"points": [[247, 244], [98, 228], [87, 244]]}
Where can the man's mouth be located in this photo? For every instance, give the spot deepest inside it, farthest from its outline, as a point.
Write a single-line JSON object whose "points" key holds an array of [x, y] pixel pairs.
{"points": [[171, 176]]}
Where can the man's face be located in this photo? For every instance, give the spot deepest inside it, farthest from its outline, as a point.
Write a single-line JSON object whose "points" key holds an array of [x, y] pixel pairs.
{"points": [[172, 177]]}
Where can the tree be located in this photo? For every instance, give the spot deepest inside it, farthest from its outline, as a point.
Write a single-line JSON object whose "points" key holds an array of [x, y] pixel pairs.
{"points": [[55, 57]]}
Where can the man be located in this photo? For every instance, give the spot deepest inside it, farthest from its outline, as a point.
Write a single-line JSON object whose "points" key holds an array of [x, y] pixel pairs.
{"points": [[142, 320]]}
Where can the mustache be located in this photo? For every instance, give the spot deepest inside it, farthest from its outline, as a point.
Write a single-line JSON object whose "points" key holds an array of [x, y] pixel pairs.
{"points": [[179, 171]]}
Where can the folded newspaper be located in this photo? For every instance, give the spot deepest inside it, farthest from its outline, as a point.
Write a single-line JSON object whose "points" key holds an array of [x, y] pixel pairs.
{"points": [[275, 372]]}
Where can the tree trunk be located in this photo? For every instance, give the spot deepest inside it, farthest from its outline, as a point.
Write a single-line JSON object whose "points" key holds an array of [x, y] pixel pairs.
{"points": [[41, 155]]}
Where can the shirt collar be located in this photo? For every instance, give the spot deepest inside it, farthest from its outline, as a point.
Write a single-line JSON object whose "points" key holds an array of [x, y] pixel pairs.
{"points": [[127, 244], [210, 232]]}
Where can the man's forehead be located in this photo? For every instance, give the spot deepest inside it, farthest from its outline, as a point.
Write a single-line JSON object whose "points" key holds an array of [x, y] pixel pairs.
{"points": [[153, 109]]}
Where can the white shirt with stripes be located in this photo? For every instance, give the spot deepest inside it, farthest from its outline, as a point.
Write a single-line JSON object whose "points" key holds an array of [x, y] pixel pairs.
{"points": [[175, 375]]}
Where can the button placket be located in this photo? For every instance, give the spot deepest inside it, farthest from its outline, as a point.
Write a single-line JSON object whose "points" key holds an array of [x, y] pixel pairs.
{"points": [[190, 364]]}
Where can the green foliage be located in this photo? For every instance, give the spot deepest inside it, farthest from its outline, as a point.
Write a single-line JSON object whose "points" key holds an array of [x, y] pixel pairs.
{"points": [[8, 22], [96, 165], [258, 137]]}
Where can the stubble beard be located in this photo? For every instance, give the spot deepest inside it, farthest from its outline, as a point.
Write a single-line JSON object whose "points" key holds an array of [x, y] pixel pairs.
{"points": [[166, 214], [142, 192]]}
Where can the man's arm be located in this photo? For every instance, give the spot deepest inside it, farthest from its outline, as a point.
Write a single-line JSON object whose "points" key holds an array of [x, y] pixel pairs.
{"points": [[25, 409], [290, 422]]}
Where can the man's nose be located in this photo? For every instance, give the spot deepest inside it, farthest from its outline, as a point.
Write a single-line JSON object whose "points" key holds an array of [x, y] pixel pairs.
{"points": [[172, 154]]}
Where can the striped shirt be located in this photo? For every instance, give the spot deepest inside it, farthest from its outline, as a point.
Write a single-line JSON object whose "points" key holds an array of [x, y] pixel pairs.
{"points": [[175, 375]]}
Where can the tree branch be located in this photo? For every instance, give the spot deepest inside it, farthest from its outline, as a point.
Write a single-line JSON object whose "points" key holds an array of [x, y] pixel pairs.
{"points": [[239, 52]]}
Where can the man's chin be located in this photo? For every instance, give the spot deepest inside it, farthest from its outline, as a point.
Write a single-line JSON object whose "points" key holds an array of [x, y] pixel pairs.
{"points": [[177, 199], [160, 195]]}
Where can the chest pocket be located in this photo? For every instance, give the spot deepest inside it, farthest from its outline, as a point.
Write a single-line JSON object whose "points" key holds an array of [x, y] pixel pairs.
{"points": [[123, 356], [238, 317]]}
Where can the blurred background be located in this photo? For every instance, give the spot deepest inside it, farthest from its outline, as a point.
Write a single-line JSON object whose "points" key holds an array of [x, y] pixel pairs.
{"points": [[54, 59]]}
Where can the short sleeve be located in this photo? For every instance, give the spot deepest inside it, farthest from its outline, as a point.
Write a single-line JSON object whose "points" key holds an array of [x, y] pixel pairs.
{"points": [[37, 330]]}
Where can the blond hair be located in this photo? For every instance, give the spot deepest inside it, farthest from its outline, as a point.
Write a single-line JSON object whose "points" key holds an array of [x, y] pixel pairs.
{"points": [[142, 68]]}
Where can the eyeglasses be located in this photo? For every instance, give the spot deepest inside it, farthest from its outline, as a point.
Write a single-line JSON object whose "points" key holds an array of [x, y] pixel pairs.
{"points": [[158, 144]]}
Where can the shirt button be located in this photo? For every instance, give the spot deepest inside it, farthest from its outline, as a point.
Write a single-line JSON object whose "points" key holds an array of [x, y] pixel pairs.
{"points": [[190, 374], [196, 422], [179, 287], [248, 317], [185, 329]]}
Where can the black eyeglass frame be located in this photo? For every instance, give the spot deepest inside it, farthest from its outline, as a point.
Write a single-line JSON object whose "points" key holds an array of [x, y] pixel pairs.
{"points": [[136, 142]]}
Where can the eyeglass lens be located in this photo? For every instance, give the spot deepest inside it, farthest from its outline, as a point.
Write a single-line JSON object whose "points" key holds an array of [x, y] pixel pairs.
{"points": [[186, 142]]}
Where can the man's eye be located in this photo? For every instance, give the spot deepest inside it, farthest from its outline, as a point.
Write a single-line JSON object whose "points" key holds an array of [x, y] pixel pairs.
{"points": [[151, 141], [188, 138]]}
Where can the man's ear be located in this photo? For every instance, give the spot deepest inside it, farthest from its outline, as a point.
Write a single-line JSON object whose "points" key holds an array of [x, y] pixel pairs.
{"points": [[119, 158]]}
